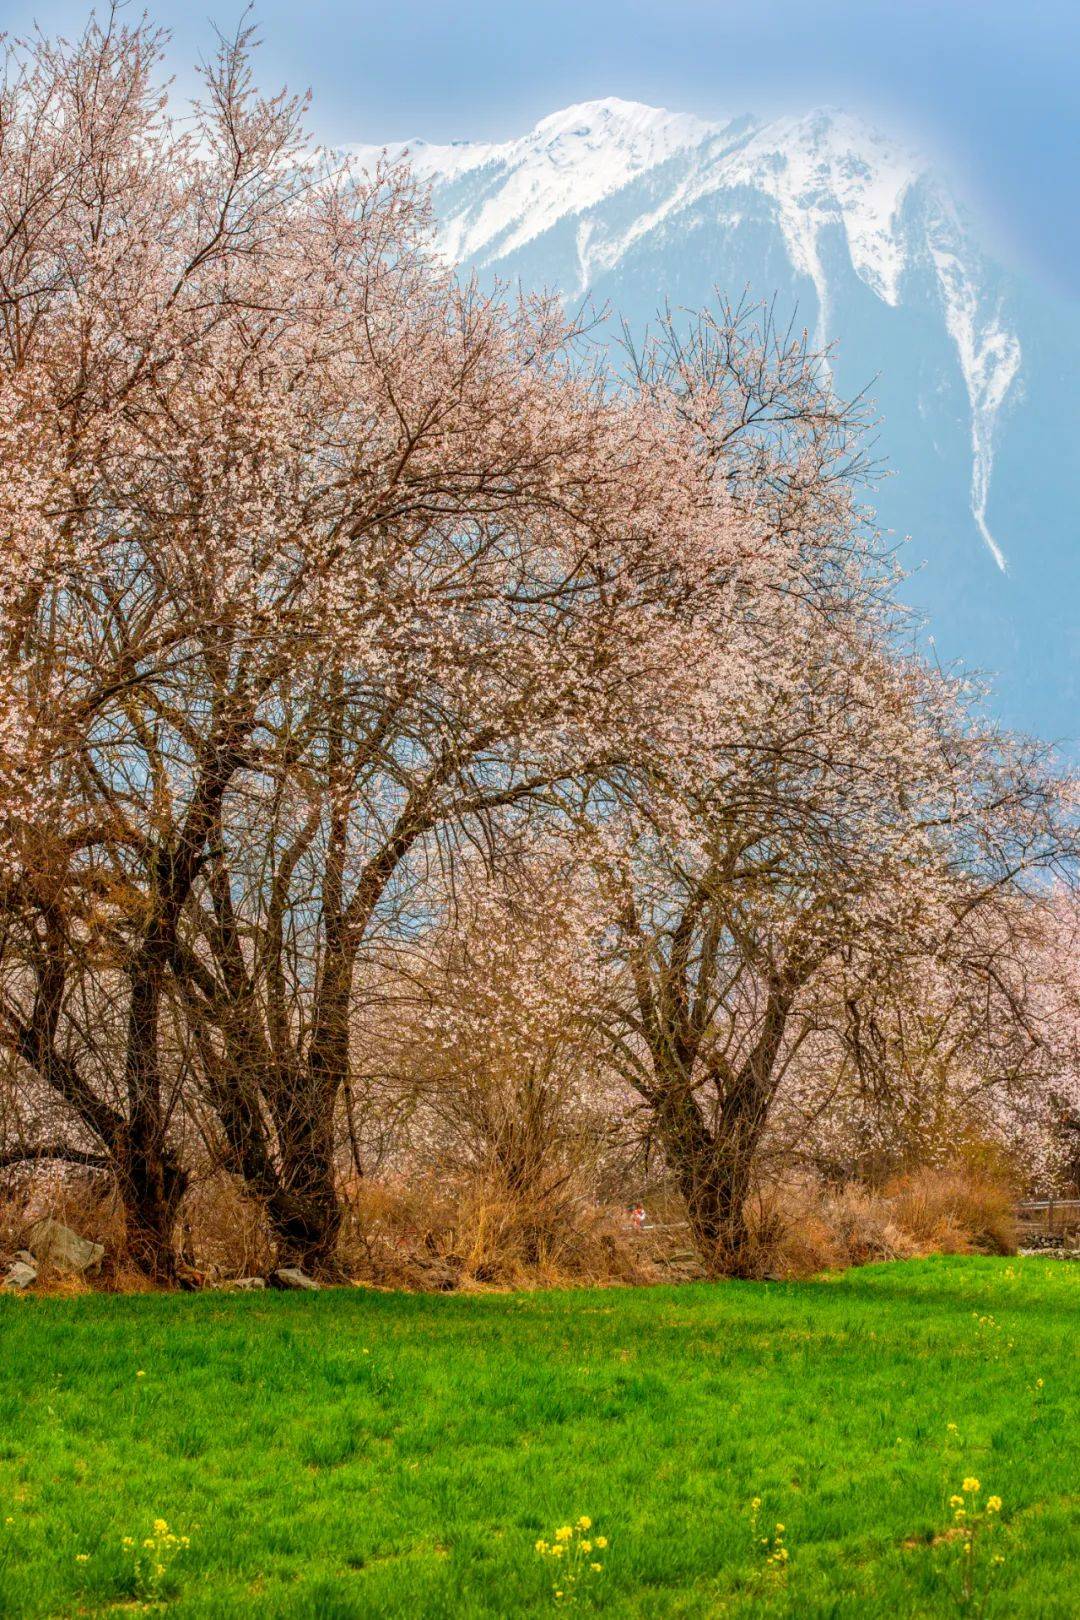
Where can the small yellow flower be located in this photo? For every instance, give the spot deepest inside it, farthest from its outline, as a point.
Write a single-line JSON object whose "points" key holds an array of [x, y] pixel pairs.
{"points": [[160, 1527], [993, 1504], [956, 1501], [970, 1484], [140, 1374], [129, 1541], [779, 1529], [1038, 1383], [558, 1550], [951, 1428], [584, 1523], [82, 1558], [601, 1541], [586, 1546], [541, 1546], [596, 1567], [564, 1532], [756, 1503], [959, 1514]]}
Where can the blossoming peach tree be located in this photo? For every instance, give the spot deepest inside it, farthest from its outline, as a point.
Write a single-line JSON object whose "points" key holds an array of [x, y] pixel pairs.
{"points": [[330, 582]]}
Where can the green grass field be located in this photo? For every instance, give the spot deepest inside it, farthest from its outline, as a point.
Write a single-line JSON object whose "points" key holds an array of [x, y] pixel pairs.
{"points": [[357, 1453]]}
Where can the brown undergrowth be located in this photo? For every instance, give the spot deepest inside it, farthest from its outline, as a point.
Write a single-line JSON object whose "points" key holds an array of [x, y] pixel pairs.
{"points": [[467, 1233]]}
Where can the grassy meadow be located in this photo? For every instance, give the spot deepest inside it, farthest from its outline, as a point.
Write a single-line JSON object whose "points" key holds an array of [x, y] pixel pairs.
{"points": [[358, 1453]]}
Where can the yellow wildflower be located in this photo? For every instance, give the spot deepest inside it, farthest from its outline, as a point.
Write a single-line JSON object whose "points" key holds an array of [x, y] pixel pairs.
{"points": [[586, 1546], [584, 1523], [82, 1558], [970, 1484], [993, 1504], [601, 1541], [956, 1501], [564, 1532], [597, 1567], [160, 1527], [541, 1546]]}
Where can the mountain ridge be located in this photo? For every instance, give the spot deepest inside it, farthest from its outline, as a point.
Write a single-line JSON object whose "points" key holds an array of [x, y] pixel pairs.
{"points": [[635, 204]]}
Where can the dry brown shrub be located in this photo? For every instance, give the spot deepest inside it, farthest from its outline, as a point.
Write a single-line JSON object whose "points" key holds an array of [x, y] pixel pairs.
{"points": [[224, 1234], [799, 1228], [439, 1232], [81, 1199], [953, 1211], [803, 1227], [468, 1232]]}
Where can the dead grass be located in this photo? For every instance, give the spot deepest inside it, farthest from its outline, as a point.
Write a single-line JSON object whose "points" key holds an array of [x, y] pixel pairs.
{"points": [[443, 1233], [957, 1211], [803, 1227], [465, 1233]]}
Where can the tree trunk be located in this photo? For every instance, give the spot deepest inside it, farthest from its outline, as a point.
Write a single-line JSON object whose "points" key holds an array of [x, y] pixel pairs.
{"points": [[151, 1180], [306, 1213], [152, 1184], [714, 1165], [713, 1171]]}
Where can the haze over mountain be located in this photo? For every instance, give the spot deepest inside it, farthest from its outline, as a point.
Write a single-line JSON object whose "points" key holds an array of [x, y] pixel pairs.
{"points": [[972, 369]]}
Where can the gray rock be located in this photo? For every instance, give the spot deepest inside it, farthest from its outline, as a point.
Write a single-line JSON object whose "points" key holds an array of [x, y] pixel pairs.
{"points": [[20, 1276], [25, 1256], [291, 1277], [57, 1245], [242, 1285], [441, 1276]]}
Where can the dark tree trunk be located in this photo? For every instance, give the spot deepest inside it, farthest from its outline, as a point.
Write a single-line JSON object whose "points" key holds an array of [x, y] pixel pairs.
{"points": [[305, 1210], [309, 1225], [714, 1163], [295, 1185], [151, 1180], [152, 1184], [713, 1169]]}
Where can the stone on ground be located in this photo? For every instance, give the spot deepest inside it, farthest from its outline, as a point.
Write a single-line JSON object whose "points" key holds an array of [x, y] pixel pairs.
{"points": [[291, 1277], [19, 1276], [53, 1243]]}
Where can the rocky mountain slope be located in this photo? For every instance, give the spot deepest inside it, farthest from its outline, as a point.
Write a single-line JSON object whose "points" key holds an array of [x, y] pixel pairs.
{"points": [[973, 371]]}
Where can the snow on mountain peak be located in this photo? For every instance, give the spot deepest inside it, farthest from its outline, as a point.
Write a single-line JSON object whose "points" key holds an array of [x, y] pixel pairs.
{"points": [[823, 174], [651, 131], [828, 168], [571, 160]]}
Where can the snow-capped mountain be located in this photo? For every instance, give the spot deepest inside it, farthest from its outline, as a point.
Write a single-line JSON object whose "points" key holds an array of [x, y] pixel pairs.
{"points": [[972, 370]]}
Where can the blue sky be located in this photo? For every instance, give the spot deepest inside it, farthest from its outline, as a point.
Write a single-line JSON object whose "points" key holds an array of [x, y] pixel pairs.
{"points": [[989, 87]]}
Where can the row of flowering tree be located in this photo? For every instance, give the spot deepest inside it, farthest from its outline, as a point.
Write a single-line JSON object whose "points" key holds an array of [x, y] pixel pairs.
{"points": [[392, 686]]}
